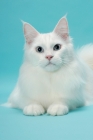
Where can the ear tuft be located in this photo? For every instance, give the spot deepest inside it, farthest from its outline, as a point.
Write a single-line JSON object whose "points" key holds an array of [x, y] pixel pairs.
{"points": [[29, 32], [62, 28], [22, 21]]}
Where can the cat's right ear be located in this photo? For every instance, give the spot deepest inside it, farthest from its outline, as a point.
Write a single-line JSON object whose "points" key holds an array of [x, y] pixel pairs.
{"points": [[29, 32]]}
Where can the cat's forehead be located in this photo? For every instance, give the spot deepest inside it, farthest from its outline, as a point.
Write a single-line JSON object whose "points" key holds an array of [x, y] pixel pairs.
{"points": [[48, 38]]}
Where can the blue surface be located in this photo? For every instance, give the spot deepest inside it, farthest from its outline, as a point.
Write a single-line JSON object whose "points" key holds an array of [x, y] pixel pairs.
{"points": [[77, 125], [43, 15]]}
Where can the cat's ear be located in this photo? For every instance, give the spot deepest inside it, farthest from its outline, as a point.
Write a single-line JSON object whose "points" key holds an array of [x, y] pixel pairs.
{"points": [[29, 32], [61, 28]]}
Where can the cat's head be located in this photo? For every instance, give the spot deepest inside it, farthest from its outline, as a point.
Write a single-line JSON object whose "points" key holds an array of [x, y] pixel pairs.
{"points": [[49, 51]]}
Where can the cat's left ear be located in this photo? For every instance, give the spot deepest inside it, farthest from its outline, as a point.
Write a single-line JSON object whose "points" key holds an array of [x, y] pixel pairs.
{"points": [[61, 28], [29, 32]]}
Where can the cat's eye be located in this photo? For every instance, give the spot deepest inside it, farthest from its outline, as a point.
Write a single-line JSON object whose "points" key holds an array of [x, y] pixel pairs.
{"points": [[57, 47], [39, 49]]}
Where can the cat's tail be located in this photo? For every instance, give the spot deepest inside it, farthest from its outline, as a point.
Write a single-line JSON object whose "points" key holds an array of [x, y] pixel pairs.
{"points": [[86, 53], [7, 104]]}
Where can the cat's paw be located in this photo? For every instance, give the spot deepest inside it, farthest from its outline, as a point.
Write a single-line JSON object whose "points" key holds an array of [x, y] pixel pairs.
{"points": [[57, 109], [33, 110]]}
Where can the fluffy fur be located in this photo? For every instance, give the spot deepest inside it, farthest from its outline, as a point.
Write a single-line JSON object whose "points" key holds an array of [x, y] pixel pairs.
{"points": [[54, 86]]}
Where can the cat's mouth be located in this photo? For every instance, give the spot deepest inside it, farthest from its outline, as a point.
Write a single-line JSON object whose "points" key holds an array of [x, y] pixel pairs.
{"points": [[50, 63]]}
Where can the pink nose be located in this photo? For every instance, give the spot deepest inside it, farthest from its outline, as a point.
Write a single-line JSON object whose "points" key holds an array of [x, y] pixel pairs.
{"points": [[49, 57]]}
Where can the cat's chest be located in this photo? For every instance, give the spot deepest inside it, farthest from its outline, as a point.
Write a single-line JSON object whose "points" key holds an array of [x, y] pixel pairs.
{"points": [[49, 83], [50, 87], [37, 83]]}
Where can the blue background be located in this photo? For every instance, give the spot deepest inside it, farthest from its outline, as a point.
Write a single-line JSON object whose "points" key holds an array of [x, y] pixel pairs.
{"points": [[43, 15]]}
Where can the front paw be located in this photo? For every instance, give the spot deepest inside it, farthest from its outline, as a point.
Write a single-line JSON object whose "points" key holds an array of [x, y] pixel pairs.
{"points": [[33, 110], [57, 109]]}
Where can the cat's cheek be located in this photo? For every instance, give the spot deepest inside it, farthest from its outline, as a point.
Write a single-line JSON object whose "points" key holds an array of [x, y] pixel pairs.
{"points": [[32, 57]]}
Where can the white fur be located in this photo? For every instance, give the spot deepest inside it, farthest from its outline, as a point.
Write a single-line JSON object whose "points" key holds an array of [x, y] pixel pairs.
{"points": [[54, 88], [86, 53]]}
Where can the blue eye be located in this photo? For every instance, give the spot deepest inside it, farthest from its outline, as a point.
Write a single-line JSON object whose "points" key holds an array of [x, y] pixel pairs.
{"points": [[57, 47], [39, 49]]}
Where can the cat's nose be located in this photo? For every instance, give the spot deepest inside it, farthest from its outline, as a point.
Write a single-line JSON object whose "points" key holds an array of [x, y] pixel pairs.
{"points": [[49, 57]]}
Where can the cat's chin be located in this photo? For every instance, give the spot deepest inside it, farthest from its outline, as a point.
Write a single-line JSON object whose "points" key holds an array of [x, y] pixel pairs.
{"points": [[51, 68]]}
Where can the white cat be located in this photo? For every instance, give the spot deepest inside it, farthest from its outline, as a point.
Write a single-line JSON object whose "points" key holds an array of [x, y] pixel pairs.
{"points": [[53, 77]]}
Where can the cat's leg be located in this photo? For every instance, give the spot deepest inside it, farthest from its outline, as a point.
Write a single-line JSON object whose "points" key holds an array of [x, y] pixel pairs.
{"points": [[57, 109], [34, 109], [29, 107]]}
